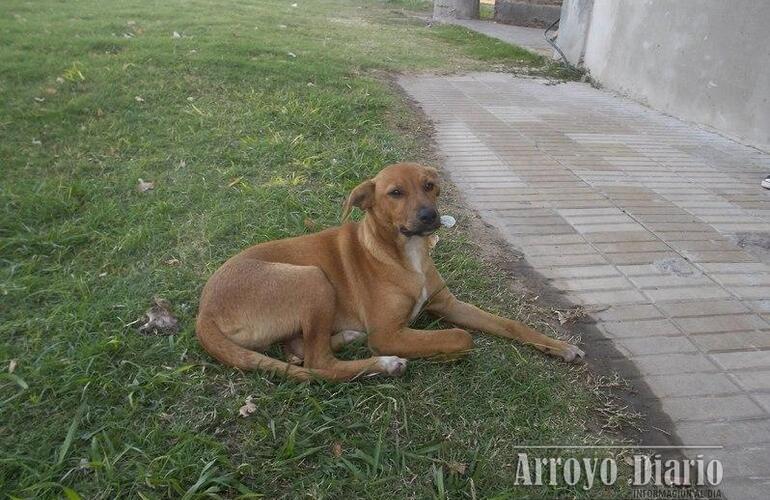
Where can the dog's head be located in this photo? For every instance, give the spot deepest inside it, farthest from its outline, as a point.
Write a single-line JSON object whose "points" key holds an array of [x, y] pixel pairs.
{"points": [[402, 196]]}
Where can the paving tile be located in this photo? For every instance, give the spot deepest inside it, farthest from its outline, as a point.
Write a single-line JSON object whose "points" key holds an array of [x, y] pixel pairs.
{"points": [[711, 408], [661, 345], [733, 487], [686, 293], [646, 328], [750, 292], [638, 258], [608, 297], [735, 267], [550, 239], [742, 360], [691, 384], [702, 308], [749, 279], [627, 312], [724, 323], [566, 260], [576, 249], [731, 433], [754, 380], [671, 280], [673, 364], [581, 284], [731, 341], [750, 461], [620, 236], [579, 272]]}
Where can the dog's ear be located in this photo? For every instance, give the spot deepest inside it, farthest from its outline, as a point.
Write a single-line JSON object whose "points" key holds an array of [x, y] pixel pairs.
{"points": [[362, 197]]}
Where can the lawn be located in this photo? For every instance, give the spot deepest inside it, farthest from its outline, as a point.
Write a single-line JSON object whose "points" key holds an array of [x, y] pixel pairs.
{"points": [[253, 122]]}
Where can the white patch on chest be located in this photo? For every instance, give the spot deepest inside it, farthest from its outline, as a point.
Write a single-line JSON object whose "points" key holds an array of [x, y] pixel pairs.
{"points": [[415, 252]]}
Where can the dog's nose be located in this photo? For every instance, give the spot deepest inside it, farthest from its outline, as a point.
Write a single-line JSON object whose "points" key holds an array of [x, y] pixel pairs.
{"points": [[427, 215]]}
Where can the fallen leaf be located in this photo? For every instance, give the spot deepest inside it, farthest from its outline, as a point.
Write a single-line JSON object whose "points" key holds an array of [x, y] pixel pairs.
{"points": [[234, 182], [294, 5], [248, 408], [12, 366], [310, 224], [84, 465], [576, 313], [570, 315], [143, 186], [457, 468], [59, 79], [337, 449], [173, 262], [37, 142], [176, 35], [102, 275], [139, 99], [292, 54], [159, 320], [39, 99]]}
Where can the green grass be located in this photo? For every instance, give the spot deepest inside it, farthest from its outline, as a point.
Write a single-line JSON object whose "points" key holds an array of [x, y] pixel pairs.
{"points": [[259, 117]]}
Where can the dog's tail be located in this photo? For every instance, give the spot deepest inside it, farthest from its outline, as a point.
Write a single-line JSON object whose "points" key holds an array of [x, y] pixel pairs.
{"points": [[228, 352]]}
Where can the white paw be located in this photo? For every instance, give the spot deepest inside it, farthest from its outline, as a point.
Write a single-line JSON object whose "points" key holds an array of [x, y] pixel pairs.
{"points": [[349, 336], [572, 353], [392, 365]]}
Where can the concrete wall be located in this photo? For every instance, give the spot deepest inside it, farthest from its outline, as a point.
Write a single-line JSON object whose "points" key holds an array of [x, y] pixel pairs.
{"points": [[532, 13], [456, 9], [706, 61], [573, 29]]}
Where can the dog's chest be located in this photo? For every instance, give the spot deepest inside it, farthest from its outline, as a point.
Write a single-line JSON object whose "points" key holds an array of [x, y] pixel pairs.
{"points": [[415, 252]]}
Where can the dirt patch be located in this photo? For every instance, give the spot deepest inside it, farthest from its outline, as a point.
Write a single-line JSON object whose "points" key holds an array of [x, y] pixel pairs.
{"points": [[756, 244]]}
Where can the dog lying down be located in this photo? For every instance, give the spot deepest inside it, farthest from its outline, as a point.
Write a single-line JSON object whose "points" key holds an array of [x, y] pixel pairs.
{"points": [[317, 292]]}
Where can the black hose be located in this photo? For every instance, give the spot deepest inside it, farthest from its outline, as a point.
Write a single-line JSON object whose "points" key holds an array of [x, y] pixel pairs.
{"points": [[552, 43]]}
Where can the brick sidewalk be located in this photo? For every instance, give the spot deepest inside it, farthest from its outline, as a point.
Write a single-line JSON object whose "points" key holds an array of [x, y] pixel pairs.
{"points": [[621, 206]]}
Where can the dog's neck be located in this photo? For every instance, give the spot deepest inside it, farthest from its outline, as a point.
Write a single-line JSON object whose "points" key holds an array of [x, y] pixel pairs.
{"points": [[386, 244]]}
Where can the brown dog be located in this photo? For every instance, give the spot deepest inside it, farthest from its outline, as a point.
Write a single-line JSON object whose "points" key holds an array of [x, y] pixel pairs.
{"points": [[315, 293]]}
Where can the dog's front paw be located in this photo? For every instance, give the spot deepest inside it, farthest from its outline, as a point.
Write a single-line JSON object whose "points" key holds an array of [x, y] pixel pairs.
{"points": [[571, 353], [392, 365]]}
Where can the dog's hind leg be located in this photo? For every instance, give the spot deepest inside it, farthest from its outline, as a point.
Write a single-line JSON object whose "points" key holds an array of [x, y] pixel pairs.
{"points": [[345, 337], [317, 321], [295, 347]]}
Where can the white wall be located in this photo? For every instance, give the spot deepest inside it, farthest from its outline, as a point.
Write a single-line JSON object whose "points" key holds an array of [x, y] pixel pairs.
{"points": [[706, 61]]}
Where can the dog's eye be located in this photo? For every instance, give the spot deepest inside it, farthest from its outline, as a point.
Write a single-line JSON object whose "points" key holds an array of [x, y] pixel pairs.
{"points": [[396, 193], [429, 186]]}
